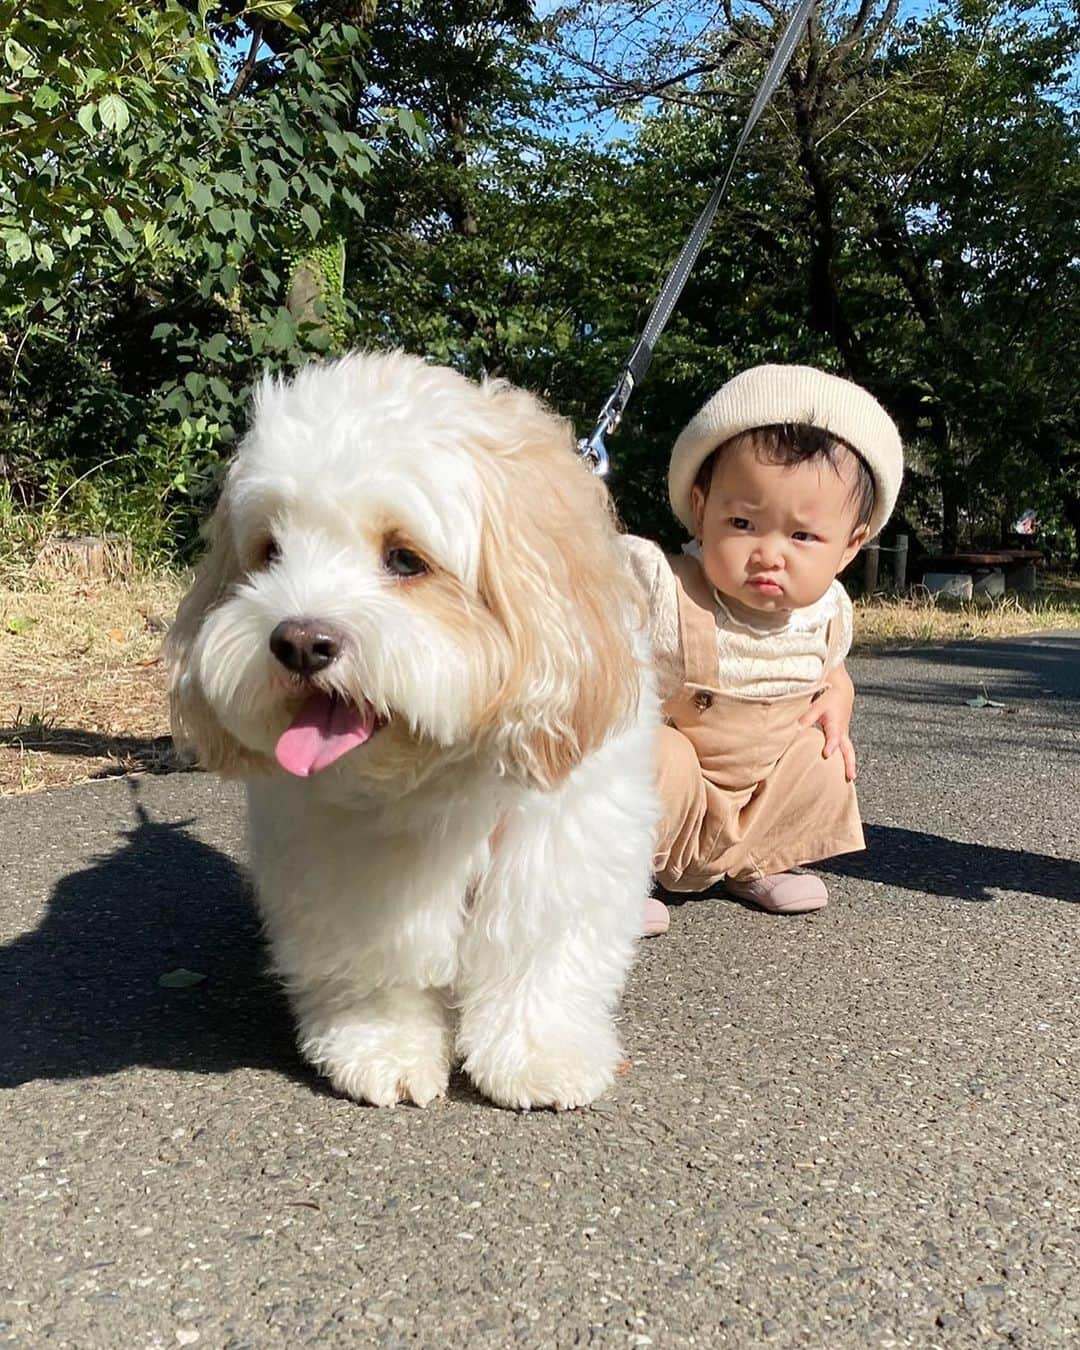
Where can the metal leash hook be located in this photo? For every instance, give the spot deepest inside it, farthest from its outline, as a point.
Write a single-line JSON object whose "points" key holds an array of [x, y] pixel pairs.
{"points": [[593, 448]]}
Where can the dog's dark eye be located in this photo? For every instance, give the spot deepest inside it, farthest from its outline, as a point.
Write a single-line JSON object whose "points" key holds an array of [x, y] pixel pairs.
{"points": [[403, 562], [270, 552]]}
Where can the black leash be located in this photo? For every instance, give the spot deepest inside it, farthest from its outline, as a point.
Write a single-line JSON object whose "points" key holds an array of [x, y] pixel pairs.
{"points": [[593, 448]]}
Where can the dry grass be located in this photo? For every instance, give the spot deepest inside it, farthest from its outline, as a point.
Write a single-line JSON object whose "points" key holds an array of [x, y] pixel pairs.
{"points": [[82, 693], [890, 622]]}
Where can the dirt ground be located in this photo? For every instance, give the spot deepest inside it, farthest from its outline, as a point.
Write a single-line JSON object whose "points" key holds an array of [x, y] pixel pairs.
{"points": [[82, 688]]}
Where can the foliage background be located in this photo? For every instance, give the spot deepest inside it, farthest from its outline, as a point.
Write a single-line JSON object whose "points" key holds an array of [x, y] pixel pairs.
{"points": [[504, 187]]}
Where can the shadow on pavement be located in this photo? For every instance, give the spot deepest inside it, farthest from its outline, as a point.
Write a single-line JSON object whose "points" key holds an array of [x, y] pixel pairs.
{"points": [[1050, 663], [79, 996], [946, 867]]}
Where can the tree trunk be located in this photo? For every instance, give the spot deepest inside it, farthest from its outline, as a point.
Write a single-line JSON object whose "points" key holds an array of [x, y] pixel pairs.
{"points": [[826, 312], [457, 205], [951, 502], [1070, 509]]}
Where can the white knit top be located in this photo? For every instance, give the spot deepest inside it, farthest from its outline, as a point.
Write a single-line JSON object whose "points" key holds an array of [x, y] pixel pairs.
{"points": [[769, 656]]}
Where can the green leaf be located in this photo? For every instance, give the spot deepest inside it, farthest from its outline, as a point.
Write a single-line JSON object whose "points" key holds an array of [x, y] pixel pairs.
{"points": [[171, 20], [291, 137], [230, 182], [85, 117], [15, 55], [18, 624], [177, 400], [983, 700], [310, 217], [180, 979], [46, 97], [113, 112], [282, 332], [215, 348], [221, 220], [243, 226], [280, 11], [206, 63], [320, 187], [113, 223], [19, 247]]}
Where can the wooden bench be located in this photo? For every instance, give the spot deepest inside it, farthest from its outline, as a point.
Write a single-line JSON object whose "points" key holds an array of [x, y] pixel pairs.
{"points": [[1017, 566]]}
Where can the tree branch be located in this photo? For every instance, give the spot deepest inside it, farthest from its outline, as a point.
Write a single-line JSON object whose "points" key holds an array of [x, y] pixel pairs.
{"points": [[625, 89], [247, 70]]}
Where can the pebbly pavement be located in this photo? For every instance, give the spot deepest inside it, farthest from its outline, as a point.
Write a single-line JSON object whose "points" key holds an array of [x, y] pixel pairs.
{"points": [[855, 1129]]}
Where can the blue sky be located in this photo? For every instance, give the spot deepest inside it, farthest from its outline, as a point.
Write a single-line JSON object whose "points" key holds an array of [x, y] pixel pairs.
{"points": [[645, 24]]}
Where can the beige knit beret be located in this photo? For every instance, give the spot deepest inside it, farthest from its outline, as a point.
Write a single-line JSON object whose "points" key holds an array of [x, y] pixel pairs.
{"points": [[769, 395]]}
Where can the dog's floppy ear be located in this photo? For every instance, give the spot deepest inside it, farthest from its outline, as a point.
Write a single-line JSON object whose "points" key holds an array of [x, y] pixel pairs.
{"points": [[551, 573], [194, 723]]}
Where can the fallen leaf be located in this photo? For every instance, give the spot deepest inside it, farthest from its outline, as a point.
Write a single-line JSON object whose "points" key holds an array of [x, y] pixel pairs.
{"points": [[149, 661], [117, 634], [19, 624], [983, 700], [180, 979]]}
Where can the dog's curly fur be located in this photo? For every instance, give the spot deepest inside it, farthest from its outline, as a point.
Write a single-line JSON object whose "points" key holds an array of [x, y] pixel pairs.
{"points": [[469, 882]]}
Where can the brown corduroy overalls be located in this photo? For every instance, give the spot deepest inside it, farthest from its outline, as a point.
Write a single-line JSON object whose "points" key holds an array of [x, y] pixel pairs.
{"points": [[745, 791]]}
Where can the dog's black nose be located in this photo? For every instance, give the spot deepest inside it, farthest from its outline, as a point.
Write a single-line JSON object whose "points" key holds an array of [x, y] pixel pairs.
{"points": [[305, 646]]}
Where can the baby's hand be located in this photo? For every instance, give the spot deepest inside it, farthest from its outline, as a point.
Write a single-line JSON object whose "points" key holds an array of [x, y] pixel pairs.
{"points": [[832, 712]]}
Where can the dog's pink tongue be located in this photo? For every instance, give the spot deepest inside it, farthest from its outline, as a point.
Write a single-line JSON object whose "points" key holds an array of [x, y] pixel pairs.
{"points": [[323, 730]]}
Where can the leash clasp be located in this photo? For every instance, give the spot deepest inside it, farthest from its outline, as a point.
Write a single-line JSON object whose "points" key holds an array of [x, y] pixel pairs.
{"points": [[593, 448]]}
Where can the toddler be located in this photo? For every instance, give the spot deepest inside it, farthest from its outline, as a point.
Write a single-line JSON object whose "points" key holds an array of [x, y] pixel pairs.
{"points": [[781, 477]]}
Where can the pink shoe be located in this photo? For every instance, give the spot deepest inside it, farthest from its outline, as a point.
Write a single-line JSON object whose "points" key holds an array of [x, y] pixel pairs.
{"points": [[656, 919], [782, 893]]}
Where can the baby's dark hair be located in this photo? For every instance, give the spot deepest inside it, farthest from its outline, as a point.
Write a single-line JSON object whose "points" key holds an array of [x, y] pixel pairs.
{"points": [[791, 443]]}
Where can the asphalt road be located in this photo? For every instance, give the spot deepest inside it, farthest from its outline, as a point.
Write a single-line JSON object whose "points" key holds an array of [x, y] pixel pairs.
{"points": [[858, 1128]]}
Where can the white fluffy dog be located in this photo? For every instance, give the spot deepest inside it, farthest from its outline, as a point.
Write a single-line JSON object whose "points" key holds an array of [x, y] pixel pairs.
{"points": [[415, 638]]}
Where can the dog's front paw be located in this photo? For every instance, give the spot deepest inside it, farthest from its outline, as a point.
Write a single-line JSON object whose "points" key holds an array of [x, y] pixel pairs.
{"points": [[562, 1072], [385, 1081], [381, 1064]]}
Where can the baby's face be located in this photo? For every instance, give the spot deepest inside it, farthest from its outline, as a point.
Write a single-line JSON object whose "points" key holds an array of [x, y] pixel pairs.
{"points": [[773, 537]]}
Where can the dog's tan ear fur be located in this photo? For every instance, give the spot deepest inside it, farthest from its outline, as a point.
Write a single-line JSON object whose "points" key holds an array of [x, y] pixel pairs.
{"points": [[194, 724], [552, 574]]}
